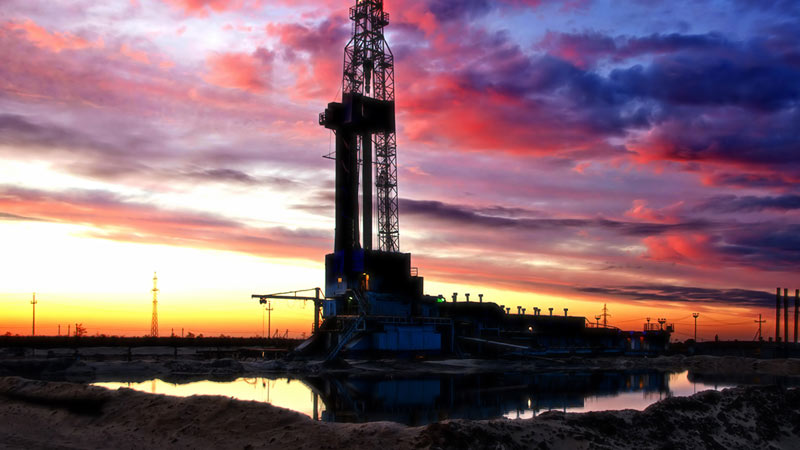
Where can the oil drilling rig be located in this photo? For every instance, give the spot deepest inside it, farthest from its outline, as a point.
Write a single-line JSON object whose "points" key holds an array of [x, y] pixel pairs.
{"points": [[373, 299], [369, 291], [371, 288]]}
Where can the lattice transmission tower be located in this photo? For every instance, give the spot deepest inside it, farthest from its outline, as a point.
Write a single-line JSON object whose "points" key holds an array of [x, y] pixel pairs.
{"points": [[369, 71], [154, 321]]}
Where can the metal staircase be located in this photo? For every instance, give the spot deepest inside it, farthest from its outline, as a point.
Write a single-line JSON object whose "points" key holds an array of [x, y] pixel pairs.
{"points": [[353, 326]]}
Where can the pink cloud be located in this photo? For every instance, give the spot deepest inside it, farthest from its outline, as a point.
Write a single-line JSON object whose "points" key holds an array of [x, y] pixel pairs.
{"points": [[313, 54], [244, 71], [122, 220], [135, 55], [692, 248], [641, 211], [54, 41], [202, 7]]}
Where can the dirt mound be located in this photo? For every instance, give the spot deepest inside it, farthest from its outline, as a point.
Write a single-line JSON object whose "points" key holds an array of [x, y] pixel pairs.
{"points": [[80, 416], [57, 369], [765, 417]]}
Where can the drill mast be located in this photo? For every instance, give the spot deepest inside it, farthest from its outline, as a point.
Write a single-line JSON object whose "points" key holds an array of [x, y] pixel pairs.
{"points": [[369, 72]]}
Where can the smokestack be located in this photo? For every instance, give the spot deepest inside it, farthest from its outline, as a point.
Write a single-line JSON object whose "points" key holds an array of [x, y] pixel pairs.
{"points": [[778, 316], [467, 295], [480, 298], [786, 314]]}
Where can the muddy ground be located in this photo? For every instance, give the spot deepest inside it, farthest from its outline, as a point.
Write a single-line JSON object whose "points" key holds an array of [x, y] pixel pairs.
{"points": [[47, 414], [52, 413], [87, 371]]}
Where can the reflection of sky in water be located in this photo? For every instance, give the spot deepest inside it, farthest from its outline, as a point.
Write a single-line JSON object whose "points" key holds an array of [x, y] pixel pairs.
{"points": [[282, 392], [679, 386], [298, 396]]}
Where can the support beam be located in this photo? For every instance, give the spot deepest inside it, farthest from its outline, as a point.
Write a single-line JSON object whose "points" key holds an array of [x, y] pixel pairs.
{"points": [[317, 299], [317, 305]]}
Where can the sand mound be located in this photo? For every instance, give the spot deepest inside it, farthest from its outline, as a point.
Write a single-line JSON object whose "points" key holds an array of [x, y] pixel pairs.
{"points": [[80, 416], [735, 418]]}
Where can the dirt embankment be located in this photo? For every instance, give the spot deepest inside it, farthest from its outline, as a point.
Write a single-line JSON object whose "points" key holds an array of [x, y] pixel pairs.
{"points": [[70, 369], [39, 414]]}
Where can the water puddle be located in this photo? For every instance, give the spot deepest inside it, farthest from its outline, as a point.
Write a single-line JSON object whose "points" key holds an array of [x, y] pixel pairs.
{"points": [[424, 400]]}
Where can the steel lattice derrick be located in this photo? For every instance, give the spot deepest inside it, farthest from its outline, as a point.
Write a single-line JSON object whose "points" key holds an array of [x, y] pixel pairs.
{"points": [[369, 71], [386, 184]]}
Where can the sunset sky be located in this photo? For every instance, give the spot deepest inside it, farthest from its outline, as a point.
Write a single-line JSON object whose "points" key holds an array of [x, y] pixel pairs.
{"points": [[644, 154]]}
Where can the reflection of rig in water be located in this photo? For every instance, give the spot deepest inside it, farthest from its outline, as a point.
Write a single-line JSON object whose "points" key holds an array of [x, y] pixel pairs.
{"points": [[374, 300], [430, 399]]}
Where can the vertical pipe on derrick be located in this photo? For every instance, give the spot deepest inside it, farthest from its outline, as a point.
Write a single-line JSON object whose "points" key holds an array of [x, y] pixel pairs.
{"points": [[366, 197]]}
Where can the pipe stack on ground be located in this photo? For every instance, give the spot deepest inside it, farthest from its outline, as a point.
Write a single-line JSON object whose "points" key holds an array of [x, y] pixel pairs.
{"points": [[786, 314], [796, 307], [778, 316]]}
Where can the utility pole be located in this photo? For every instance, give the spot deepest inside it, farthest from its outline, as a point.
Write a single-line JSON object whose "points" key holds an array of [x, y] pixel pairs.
{"points": [[33, 326], [269, 309], [758, 333], [606, 315], [695, 325], [154, 321]]}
